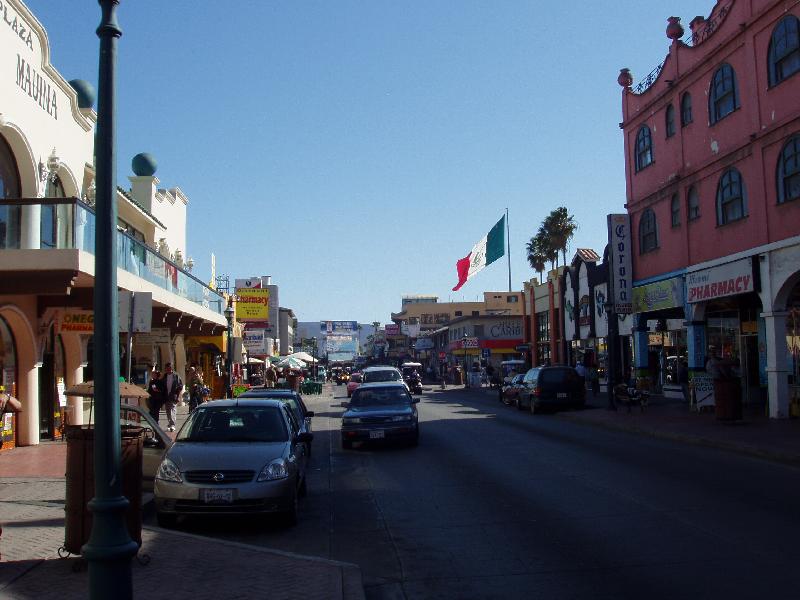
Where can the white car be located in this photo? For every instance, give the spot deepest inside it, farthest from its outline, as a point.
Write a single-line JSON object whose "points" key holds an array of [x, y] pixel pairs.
{"points": [[381, 374]]}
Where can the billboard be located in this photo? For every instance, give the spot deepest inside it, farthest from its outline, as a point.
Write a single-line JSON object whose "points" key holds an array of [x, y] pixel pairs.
{"points": [[341, 347], [270, 326], [252, 305], [255, 342], [338, 327]]}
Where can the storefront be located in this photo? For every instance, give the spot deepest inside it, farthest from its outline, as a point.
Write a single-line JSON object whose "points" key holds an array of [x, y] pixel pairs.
{"points": [[793, 347], [8, 381]]}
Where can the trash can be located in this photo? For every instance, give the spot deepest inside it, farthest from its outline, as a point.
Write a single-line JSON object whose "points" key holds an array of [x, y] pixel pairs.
{"points": [[728, 399], [80, 483]]}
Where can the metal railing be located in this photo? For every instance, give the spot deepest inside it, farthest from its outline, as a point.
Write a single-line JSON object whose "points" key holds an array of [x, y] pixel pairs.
{"points": [[68, 223], [691, 39]]}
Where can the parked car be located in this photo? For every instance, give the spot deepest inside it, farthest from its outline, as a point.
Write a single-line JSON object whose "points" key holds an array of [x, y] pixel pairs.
{"points": [[294, 400], [234, 456], [156, 441], [510, 390], [551, 387], [380, 374], [355, 381], [380, 411]]}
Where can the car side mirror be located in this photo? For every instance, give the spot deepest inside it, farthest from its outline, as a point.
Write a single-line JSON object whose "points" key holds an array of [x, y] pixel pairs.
{"points": [[304, 438], [310, 413]]}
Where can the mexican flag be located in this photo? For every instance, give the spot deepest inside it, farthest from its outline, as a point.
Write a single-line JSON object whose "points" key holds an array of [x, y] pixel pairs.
{"points": [[491, 247]]}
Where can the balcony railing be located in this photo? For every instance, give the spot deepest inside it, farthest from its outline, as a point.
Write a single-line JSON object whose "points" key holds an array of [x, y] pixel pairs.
{"points": [[68, 223]]}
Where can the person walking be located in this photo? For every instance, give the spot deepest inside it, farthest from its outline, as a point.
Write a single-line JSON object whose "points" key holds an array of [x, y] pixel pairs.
{"points": [[196, 386], [156, 398], [270, 377], [173, 386], [683, 379], [594, 381]]}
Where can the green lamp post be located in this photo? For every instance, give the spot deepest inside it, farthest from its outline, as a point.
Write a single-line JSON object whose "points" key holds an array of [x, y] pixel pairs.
{"points": [[110, 547]]}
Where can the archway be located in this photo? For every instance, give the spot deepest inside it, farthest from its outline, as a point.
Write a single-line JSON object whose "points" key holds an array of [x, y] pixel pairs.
{"points": [[27, 373]]}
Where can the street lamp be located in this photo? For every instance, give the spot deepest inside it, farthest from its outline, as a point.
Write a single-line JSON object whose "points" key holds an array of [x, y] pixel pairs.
{"points": [[110, 547], [464, 344], [229, 353]]}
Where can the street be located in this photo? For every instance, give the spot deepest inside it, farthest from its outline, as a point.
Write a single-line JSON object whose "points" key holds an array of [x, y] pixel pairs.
{"points": [[496, 503]]}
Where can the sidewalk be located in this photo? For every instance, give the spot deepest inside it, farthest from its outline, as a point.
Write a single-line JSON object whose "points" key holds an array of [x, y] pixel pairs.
{"points": [[181, 565], [756, 435]]}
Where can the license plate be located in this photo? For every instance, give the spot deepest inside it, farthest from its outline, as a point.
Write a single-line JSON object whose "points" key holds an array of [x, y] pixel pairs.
{"points": [[376, 435], [562, 395], [212, 496]]}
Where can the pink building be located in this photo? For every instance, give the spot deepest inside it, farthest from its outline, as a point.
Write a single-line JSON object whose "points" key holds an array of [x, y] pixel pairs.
{"points": [[712, 157]]}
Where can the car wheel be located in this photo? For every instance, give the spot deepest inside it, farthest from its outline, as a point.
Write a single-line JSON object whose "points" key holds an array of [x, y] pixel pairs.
{"points": [[347, 444], [166, 520], [533, 407], [517, 402], [302, 491]]}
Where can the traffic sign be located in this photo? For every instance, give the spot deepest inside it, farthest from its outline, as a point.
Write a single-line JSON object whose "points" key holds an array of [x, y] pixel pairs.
{"points": [[486, 352], [523, 348]]}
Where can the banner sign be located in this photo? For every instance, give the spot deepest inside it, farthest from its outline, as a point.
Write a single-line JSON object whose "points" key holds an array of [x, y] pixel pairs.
{"points": [[424, 344], [621, 276], [338, 327], [255, 342], [658, 295], [252, 304], [703, 386], [391, 329], [470, 342], [77, 321], [157, 335], [717, 282]]}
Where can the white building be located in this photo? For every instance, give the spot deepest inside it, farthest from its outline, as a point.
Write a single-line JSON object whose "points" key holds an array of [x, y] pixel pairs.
{"points": [[47, 242]]}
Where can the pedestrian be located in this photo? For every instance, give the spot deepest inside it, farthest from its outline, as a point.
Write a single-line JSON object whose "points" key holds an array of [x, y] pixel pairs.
{"points": [[173, 386], [155, 389], [683, 379], [594, 381], [196, 386], [580, 369]]}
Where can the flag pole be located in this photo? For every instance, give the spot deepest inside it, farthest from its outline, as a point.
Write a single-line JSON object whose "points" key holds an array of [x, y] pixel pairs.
{"points": [[508, 252]]}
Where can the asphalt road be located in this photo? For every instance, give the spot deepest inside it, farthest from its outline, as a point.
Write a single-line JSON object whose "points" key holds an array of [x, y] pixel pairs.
{"points": [[496, 503]]}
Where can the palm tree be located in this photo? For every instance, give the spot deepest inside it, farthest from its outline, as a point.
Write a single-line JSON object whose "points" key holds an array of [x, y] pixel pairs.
{"points": [[546, 244], [536, 258], [561, 227]]}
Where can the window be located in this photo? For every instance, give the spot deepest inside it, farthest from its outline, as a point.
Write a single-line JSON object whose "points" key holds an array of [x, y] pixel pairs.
{"points": [[458, 313], [512, 299], [723, 98], [692, 204], [789, 171], [476, 313], [731, 198], [669, 119], [675, 210], [644, 148], [648, 232], [686, 109], [9, 188], [784, 50]]}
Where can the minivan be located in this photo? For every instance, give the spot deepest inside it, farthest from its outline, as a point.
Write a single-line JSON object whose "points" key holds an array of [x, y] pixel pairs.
{"points": [[551, 387]]}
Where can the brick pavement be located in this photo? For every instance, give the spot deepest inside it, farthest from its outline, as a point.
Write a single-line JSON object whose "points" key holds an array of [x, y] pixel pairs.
{"points": [[181, 566]]}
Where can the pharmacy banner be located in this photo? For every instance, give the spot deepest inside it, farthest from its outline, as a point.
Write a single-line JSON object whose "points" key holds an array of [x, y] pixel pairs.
{"points": [[252, 304]]}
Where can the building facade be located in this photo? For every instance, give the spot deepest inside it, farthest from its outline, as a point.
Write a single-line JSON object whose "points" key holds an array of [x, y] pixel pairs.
{"points": [[47, 244], [712, 157]]}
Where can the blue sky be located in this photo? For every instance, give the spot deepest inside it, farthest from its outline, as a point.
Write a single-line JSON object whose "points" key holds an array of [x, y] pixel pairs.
{"points": [[355, 150]]}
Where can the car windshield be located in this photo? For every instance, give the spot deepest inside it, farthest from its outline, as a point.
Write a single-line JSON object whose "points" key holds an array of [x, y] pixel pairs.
{"points": [[379, 397], [235, 424], [382, 375], [355, 377]]}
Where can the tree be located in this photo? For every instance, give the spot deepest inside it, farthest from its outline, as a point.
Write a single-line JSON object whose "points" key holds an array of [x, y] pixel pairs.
{"points": [[546, 244], [561, 228], [536, 257]]}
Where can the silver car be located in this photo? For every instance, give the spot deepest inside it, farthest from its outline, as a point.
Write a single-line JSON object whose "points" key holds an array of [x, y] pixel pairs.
{"points": [[233, 457]]}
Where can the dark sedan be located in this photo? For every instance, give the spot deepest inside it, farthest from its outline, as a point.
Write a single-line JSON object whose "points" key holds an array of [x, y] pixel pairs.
{"points": [[293, 400], [551, 387], [380, 411]]}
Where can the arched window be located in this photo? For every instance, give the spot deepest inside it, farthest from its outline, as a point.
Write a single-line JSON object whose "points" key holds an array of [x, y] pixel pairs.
{"points": [[669, 120], [789, 171], [644, 148], [686, 109], [731, 197], [784, 50], [9, 188], [692, 204], [675, 210], [723, 98], [648, 232]]}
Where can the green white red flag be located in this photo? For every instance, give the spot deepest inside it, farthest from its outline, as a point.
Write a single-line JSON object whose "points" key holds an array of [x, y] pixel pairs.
{"points": [[491, 247]]}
